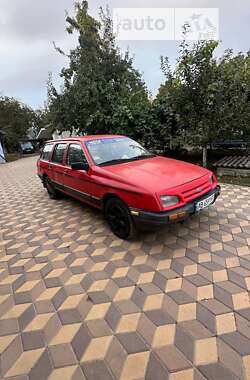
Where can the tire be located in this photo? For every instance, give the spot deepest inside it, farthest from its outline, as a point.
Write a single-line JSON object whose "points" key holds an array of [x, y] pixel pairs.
{"points": [[53, 193], [119, 219]]}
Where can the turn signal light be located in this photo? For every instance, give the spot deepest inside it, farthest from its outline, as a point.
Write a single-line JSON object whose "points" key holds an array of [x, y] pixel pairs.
{"points": [[178, 215], [135, 213]]}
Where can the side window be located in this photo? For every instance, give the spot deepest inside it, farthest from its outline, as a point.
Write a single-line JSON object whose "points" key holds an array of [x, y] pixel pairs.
{"points": [[75, 154], [59, 153], [46, 152]]}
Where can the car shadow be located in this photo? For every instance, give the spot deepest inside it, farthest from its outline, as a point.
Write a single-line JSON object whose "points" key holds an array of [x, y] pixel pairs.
{"points": [[164, 243]]}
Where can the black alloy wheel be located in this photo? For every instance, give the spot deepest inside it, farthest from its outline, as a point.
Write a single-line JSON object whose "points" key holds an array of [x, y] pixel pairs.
{"points": [[119, 219]]}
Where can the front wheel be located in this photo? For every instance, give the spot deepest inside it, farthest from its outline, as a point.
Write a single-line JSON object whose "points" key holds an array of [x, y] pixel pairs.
{"points": [[119, 219]]}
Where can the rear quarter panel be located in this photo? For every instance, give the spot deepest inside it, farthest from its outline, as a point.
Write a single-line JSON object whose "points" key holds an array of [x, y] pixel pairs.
{"points": [[43, 165]]}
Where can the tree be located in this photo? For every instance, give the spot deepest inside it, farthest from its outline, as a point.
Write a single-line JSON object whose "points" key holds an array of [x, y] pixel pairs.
{"points": [[192, 88], [41, 120], [234, 77], [102, 92], [166, 126], [15, 121], [209, 98]]}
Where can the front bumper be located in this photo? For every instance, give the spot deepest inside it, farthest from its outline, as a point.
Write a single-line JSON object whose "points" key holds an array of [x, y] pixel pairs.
{"points": [[150, 220]]}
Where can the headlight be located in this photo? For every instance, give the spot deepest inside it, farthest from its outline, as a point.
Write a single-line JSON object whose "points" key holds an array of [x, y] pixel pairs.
{"points": [[169, 200]]}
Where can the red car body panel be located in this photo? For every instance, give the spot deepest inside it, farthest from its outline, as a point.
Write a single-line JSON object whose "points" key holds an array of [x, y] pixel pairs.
{"points": [[138, 183]]}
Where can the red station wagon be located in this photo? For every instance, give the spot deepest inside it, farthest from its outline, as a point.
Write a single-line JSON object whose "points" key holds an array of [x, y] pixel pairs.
{"points": [[135, 188]]}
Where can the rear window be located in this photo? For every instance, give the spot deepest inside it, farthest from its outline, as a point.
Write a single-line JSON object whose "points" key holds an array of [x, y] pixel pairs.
{"points": [[59, 153], [46, 152]]}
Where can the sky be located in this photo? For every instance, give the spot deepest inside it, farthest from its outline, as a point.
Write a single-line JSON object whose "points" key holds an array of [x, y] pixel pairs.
{"points": [[28, 29]]}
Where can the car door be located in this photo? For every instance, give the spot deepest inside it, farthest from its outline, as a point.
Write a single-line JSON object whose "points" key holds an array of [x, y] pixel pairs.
{"points": [[77, 182], [57, 165]]}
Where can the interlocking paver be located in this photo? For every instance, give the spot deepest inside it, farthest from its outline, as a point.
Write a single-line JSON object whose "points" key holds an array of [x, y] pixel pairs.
{"points": [[76, 303]]}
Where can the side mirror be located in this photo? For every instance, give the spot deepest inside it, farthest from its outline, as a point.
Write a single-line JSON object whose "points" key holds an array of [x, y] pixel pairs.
{"points": [[80, 166]]}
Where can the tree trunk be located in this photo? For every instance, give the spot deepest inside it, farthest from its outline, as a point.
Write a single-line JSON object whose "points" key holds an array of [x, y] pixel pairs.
{"points": [[204, 156]]}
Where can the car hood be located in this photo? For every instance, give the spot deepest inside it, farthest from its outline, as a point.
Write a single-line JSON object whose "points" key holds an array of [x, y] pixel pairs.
{"points": [[156, 174]]}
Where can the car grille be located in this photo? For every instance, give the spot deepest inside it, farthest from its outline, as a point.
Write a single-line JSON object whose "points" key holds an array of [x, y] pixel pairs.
{"points": [[195, 191]]}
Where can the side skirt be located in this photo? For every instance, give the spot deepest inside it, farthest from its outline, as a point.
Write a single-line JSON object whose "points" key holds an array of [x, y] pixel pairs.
{"points": [[85, 197]]}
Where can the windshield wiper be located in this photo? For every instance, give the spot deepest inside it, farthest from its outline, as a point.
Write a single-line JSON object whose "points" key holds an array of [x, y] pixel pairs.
{"points": [[141, 157], [122, 160], [113, 162]]}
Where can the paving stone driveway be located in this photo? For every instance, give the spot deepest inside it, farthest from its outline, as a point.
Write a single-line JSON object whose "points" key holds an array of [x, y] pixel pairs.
{"points": [[77, 303]]}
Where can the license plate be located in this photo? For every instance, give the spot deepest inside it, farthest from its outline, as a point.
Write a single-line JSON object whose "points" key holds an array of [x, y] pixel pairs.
{"points": [[204, 203]]}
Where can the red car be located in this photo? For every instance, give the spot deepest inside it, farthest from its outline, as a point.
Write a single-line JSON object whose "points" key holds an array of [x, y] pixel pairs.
{"points": [[134, 188]]}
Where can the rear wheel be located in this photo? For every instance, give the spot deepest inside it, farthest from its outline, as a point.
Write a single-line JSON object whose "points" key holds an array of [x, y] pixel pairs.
{"points": [[119, 219], [52, 191]]}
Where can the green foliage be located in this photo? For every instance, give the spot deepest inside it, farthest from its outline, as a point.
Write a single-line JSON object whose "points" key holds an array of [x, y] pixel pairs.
{"points": [[42, 120], [15, 121], [203, 99], [208, 98], [102, 92], [234, 94]]}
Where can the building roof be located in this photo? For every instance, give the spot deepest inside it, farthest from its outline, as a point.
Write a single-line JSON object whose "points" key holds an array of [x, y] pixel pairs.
{"points": [[234, 162]]}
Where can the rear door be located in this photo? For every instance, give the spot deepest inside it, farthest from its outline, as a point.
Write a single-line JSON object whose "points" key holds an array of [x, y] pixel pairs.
{"points": [[57, 164], [77, 182]]}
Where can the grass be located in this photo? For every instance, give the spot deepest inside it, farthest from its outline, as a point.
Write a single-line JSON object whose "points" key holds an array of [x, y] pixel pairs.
{"points": [[16, 156], [13, 157]]}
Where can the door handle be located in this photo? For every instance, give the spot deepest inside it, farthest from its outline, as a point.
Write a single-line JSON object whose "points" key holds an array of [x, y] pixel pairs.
{"points": [[66, 173], [49, 167]]}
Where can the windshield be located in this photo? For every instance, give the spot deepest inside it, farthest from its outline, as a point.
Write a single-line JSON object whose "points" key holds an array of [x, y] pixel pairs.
{"points": [[111, 151]]}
